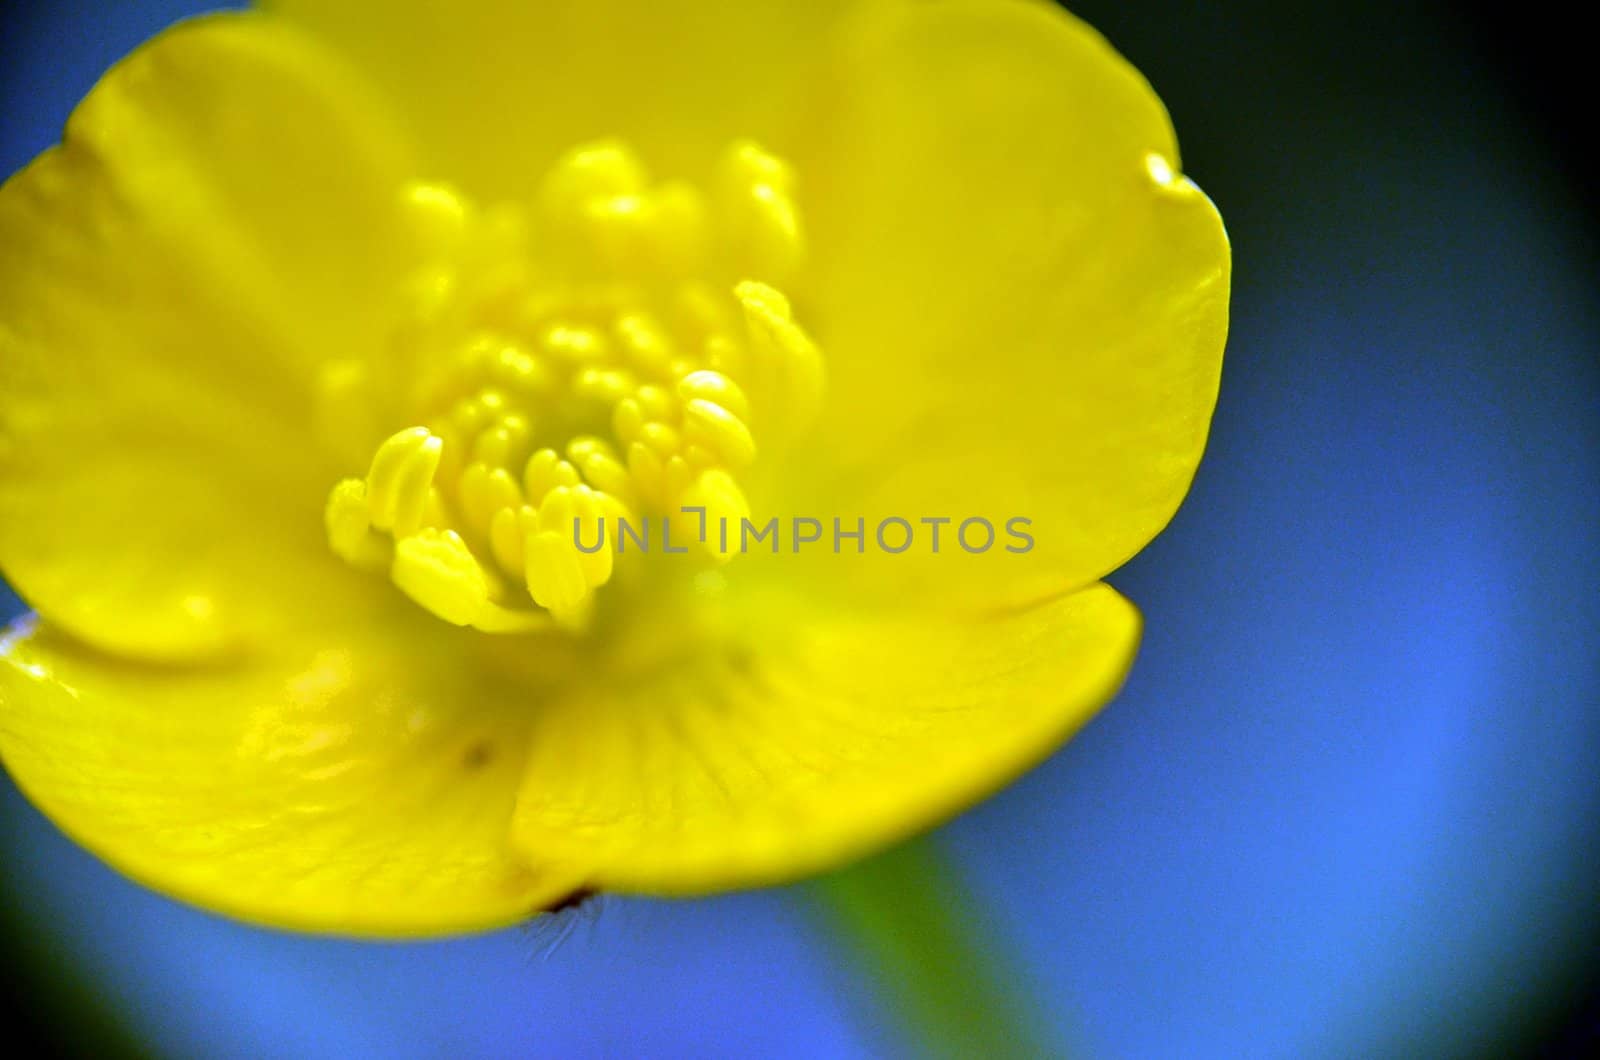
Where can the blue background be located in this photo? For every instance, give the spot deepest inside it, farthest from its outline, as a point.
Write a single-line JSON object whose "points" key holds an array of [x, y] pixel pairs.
{"points": [[1346, 804]]}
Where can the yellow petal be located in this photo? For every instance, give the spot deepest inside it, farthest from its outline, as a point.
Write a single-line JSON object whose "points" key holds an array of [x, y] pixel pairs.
{"points": [[806, 741], [355, 781], [215, 226], [498, 90], [1023, 304]]}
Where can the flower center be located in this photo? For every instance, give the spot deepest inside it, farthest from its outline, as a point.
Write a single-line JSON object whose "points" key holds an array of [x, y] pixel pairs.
{"points": [[564, 373]]}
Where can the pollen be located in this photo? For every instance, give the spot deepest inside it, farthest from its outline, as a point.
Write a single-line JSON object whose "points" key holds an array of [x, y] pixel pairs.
{"points": [[611, 350]]}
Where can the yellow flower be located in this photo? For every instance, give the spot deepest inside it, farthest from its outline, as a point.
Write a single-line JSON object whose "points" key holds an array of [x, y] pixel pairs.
{"points": [[326, 323]]}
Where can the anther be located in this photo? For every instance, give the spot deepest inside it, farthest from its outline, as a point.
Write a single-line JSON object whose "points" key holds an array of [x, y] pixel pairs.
{"points": [[436, 217], [398, 481], [437, 570], [758, 214]]}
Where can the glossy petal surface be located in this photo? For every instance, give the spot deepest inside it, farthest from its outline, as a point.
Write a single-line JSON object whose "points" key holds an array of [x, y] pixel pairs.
{"points": [[1023, 301], [357, 777], [212, 229], [813, 739]]}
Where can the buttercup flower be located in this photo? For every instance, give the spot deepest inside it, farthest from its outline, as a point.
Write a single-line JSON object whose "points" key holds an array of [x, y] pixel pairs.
{"points": [[344, 345]]}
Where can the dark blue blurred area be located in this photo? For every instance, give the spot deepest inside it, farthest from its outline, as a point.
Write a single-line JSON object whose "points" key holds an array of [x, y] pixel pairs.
{"points": [[1347, 803]]}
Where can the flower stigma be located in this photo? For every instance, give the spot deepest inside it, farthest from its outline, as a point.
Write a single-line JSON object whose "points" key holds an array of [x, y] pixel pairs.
{"points": [[606, 354]]}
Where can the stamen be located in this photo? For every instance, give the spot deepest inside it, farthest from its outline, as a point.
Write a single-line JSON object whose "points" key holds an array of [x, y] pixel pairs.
{"points": [[623, 370], [437, 570], [400, 478]]}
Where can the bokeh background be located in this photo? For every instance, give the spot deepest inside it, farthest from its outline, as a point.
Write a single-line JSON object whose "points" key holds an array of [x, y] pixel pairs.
{"points": [[1347, 804]]}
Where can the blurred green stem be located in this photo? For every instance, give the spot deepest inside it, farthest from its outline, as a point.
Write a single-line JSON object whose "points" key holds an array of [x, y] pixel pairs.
{"points": [[905, 917]]}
